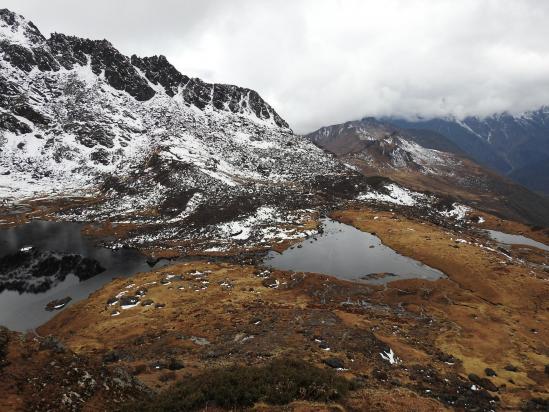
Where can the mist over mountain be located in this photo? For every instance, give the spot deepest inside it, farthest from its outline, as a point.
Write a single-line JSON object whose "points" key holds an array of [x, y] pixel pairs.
{"points": [[424, 158], [514, 145]]}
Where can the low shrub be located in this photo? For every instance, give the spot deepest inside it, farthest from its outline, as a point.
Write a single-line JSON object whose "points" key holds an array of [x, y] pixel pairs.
{"points": [[278, 382]]}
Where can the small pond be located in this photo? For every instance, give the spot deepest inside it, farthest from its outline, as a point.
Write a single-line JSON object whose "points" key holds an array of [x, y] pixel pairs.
{"points": [[23, 311], [348, 253], [509, 239]]}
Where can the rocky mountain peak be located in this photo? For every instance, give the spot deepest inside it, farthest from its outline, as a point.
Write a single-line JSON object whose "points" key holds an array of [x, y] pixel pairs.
{"points": [[103, 58], [158, 70], [515, 145], [25, 48], [16, 29], [353, 134], [154, 145], [224, 97]]}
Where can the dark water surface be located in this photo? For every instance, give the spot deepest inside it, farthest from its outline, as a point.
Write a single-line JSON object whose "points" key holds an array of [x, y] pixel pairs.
{"points": [[509, 239], [341, 250], [23, 311], [348, 253]]}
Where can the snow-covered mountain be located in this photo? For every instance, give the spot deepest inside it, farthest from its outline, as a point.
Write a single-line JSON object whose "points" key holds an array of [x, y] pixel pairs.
{"points": [[382, 146], [153, 146], [427, 161], [74, 106], [515, 145]]}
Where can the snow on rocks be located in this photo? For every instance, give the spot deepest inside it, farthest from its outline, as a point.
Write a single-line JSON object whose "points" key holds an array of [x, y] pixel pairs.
{"points": [[401, 196], [129, 302], [242, 230], [458, 211], [220, 171], [390, 357], [394, 194], [156, 152], [58, 304], [200, 341], [119, 295]]}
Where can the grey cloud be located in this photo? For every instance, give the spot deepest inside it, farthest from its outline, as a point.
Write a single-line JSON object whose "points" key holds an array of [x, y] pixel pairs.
{"points": [[321, 62]]}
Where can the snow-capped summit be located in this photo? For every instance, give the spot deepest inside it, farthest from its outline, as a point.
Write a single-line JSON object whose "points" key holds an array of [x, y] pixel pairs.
{"points": [[223, 97], [73, 108], [16, 30], [25, 48], [383, 146], [156, 146]]}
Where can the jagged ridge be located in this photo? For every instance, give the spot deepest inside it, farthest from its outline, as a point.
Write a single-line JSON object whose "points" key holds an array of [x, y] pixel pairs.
{"points": [[164, 151], [32, 50]]}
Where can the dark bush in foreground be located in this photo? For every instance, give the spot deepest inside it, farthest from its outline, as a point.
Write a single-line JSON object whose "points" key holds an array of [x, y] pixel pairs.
{"points": [[279, 382]]}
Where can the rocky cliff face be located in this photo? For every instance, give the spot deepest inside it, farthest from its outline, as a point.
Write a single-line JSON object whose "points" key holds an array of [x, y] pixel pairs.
{"points": [[223, 97], [158, 147], [25, 48]]}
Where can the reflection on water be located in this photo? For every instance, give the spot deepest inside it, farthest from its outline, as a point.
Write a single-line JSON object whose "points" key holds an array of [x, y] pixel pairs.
{"points": [[26, 311], [348, 253], [509, 239]]}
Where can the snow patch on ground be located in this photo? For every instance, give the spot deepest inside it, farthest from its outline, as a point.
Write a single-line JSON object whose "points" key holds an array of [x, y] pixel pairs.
{"points": [[390, 357], [396, 194], [458, 211]]}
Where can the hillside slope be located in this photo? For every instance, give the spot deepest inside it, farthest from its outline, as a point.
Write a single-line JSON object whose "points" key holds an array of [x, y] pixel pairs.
{"points": [[411, 158], [514, 145], [152, 148]]}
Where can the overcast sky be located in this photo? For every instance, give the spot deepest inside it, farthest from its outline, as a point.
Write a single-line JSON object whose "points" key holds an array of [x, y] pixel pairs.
{"points": [[323, 62]]}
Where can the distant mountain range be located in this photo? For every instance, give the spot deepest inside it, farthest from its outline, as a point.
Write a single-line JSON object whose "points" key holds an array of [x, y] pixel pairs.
{"points": [[426, 160], [514, 145]]}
